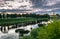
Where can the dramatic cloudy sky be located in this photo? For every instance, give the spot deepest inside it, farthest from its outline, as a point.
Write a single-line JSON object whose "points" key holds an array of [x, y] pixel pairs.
{"points": [[46, 5]]}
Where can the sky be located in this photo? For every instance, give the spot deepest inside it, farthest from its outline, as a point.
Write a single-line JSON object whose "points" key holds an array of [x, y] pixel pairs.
{"points": [[46, 6]]}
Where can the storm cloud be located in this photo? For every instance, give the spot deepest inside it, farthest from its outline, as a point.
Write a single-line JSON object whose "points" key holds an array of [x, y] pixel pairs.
{"points": [[46, 5]]}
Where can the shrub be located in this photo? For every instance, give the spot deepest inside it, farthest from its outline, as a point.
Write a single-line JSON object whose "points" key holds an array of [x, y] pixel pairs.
{"points": [[52, 31]]}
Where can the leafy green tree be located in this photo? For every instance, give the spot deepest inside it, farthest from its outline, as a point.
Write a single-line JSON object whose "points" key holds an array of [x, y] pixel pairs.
{"points": [[58, 16], [46, 16], [3, 15], [34, 34], [0, 16], [52, 31], [27, 37]]}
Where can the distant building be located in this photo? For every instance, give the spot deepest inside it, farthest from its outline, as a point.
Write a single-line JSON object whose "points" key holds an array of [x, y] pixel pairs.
{"points": [[52, 13]]}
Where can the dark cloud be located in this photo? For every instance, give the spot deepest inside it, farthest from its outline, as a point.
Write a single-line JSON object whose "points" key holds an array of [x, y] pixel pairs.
{"points": [[37, 3], [52, 5]]}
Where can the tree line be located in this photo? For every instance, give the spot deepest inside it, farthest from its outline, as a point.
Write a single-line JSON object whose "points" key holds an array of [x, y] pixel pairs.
{"points": [[24, 15]]}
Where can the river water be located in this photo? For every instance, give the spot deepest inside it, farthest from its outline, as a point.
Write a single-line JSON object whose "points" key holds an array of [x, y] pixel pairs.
{"points": [[12, 35]]}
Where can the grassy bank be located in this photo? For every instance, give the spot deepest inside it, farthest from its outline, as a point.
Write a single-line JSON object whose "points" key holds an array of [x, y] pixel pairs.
{"points": [[15, 20], [19, 20]]}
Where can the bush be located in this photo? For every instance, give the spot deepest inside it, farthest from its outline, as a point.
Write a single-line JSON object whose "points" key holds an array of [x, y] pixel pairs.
{"points": [[27, 37], [52, 31]]}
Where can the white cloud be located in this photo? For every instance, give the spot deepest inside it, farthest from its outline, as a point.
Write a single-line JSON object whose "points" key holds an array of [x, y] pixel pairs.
{"points": [[16, 4], [44, 10], [50, 3]]}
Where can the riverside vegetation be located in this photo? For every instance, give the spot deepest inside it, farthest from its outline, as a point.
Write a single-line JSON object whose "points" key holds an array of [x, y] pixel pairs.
{"points": [[52, 31]]}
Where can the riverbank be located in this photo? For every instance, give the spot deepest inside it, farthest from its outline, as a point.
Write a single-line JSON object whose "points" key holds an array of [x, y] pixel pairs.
{"points": [[12, 34]]}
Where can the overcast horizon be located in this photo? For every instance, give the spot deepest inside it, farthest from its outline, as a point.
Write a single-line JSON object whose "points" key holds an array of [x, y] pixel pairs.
{"points": [[47, 5]]}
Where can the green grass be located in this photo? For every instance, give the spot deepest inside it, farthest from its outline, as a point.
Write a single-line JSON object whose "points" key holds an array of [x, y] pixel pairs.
{"points": [[10, 21], [15, 20]]}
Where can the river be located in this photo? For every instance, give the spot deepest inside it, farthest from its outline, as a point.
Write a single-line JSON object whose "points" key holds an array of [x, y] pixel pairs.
{"points": [[12, 35]]}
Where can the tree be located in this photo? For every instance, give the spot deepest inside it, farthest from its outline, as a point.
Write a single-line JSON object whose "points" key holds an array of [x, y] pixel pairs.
{"points": [[34, 34], [27, 37], [0, 16], [46, 16], [58, 16], [52, 31]]}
